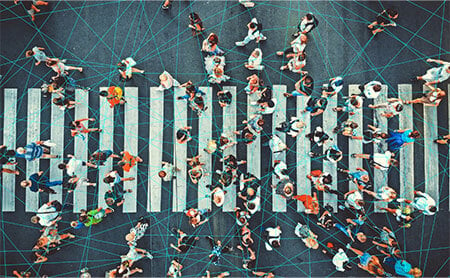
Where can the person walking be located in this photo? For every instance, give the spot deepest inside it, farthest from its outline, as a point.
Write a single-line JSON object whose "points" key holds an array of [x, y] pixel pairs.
{"points": [[306, 24], [254, 33], [40, 182]]}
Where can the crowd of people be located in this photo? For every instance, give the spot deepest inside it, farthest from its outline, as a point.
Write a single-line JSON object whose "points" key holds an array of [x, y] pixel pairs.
{"points": [[381, 256]]}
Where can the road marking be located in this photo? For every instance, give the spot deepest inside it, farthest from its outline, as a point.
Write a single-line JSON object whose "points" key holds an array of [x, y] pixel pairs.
{"points": [[355, 146], [9, 139], [303, 165], [81, 112], [156, 119], [131, 135], [204, 135]]}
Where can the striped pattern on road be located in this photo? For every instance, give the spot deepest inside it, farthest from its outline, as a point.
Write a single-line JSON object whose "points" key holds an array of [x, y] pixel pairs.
{"points": [[179, 186]]}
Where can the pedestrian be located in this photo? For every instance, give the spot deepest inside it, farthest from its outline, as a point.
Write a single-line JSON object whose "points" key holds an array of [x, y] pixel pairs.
{"points": [[114, 178], [304, 86], [384, 19], [293, 127], [273, 237], [92, 217], [277, 145], [64, 102], [285, 188], [247, 3], [368, 262], [196, 217], [384, 194], [74, 182], [167, 81], [30, 6], [114, 197], [310, 203], [196, 172], [386, 242], [39, 182], [114, 96], [372, 89], [335, 86], [307, 236], [123, 270], [135, 254], [306, 24], [224, 98], [253, 84], [74, 165], [354, 201], [326, 220], [403, 215], [174, 269], [217, 249], [195, 24], [7, 157], [59, 67], [126, 69], [318, 136], [79, 129], [255, 60], [373, 135], [392, 107], [322, 181], [402, 268], [218, 75], [360, 177], [430, 98], [246, 135], [297, 46], [99, 157], [296, 63], [437, 74], [48, 214], [128, 161], [422, 202], [400, 138], [348, 129], [254, 33], [38, 54], [138, 231], [36, 150], [166, 4], [184, 242], [210, 45], [381, 161], [351, 105], [183, 135], [168, 171]]}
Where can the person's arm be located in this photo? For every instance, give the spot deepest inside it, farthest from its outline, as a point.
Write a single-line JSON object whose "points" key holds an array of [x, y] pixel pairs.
{"points": [[348, 193], [393, 99], [202, 222], [320, 111], [436, 61]]}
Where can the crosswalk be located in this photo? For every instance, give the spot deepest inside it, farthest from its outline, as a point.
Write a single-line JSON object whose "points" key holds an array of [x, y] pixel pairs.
{"points": [[150, 184]]}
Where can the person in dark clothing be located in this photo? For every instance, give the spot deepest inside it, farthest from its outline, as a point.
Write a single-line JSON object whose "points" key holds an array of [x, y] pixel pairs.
{"points": [[41, 183], [385, 18], [184, 242]]}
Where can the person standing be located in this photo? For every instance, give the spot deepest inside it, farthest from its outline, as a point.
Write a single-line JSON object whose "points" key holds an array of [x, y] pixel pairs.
{"points": [[254, 33], [384, 19], [38, 54], [306, 24]]}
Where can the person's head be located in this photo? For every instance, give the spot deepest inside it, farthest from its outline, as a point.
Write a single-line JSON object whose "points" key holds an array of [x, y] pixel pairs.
{"points": [[76, 124], [399, 107], [25, 183], [109, 201], [251, 206], [270, 104], [354, 101], [51, 63], [276, 243], [288, 189], [360, 203], [62, 166], [108, 179], [252, 25], [311, 243], [193, 16], [328, 179], [377, 87], [308, 79], [250, 191], [224, 140], [103, 93], [414, 134], [29, 53], [392, 13], [383, 135], [260, 121], [248, 136], [218, 71], [213, 38], [20, 150], [394, 162], [432, 209], [34, 219], [303, 38], [42, 242], [301, 56], [256, 52], [162, 174], [321, 101], [361, 237], [130, 237], [416, 272], [365, 178], [309, 16], [354, 125]]}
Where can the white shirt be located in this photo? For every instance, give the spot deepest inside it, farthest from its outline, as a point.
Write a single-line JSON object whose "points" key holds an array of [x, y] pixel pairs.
{"points": [[279, 168], [369, 91], [73, 166], [221, 195], [382, 159], [46, 215], [257, 202], [252, 32], [274, 232], [337, 89], [276, 145], [169, 170], [423, 203], [340, 259], [351, 200], [384, 193]]}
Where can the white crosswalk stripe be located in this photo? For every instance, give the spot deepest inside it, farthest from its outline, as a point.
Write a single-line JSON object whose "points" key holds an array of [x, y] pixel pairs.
{"points": [[8, 181], [155, 185]]}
